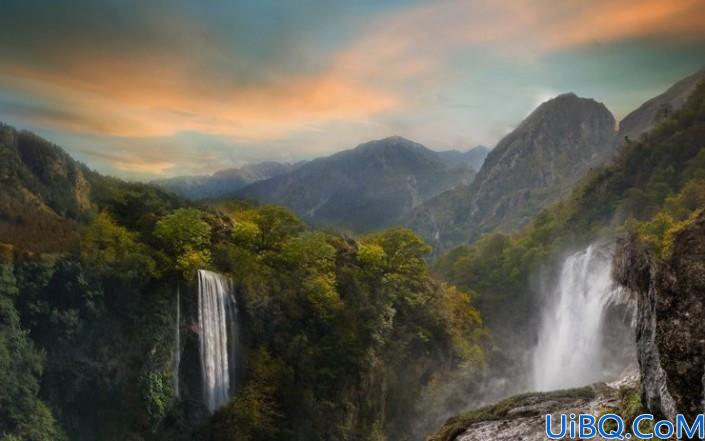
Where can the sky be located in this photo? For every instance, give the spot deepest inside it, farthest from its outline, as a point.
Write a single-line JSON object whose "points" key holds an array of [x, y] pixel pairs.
{"points": [[146, 90]]}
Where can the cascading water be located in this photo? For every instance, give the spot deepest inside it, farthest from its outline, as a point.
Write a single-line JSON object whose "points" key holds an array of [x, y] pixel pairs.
{"points": [[570, 348], [217, 315]]}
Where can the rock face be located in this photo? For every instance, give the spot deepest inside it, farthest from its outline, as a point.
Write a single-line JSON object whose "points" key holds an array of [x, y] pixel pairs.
{"points": [[224, 182], [528, 170], [534, 164], [370, 187], [670, 320], [523, 417], [658, 108]]}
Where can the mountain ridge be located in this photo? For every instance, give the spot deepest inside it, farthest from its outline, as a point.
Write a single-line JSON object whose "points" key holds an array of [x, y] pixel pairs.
{"points": [[529, 168], [364, 188]]}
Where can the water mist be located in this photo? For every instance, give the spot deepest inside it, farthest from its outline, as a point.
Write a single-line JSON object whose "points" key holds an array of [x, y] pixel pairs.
{"points": [[570, 351]]}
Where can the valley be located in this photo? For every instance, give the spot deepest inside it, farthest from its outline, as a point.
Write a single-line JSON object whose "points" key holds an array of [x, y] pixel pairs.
{"points": [[366, 221]]}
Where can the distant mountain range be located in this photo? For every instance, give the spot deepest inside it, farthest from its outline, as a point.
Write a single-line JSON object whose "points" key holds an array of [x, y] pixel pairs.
{"points": [[473, 157], [226, 183], [392, 181], [370, 187], [223, 183]]}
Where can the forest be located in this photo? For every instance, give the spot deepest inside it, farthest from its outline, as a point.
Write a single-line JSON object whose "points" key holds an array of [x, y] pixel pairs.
{"points": [[345, 338]]}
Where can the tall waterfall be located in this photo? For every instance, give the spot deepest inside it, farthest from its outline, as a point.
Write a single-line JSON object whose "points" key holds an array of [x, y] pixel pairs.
{"points": [[569, 351], [217, 315]]}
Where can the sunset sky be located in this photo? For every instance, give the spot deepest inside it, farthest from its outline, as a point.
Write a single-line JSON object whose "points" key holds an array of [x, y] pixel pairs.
{"points": [[161, 88]]}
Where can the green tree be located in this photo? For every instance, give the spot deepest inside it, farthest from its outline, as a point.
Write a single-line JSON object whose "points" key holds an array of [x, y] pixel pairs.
{"points": [[186, 236], [22, 415]]}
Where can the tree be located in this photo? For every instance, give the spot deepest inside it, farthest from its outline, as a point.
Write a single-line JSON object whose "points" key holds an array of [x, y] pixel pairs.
{"points": [[186, 236], [22, 415]]}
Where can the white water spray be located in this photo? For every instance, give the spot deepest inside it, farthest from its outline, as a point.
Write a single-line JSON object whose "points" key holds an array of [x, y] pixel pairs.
{"points": [[216, 317], [570, 349]]}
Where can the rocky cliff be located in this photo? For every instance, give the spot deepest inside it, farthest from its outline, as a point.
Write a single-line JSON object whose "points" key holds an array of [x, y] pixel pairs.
{"points": [[670, 292], [658, 108], [522, 417], [528, 170]]}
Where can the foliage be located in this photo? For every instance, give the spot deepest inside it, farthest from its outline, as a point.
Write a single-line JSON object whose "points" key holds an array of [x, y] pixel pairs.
{"points": [[361, 325], [23, 416], [628, 407], [342, 339], [253, 414], [658, 180], [186, 236], [157, 394], [105, 244]]}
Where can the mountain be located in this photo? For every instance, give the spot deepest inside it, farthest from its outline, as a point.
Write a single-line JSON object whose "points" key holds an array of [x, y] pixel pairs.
{"points": [[647, 206], [224, 182], [366, 188], [44, 192], [47, 196], [658, 108], [529, 169], [472, 158], [103, 338]]}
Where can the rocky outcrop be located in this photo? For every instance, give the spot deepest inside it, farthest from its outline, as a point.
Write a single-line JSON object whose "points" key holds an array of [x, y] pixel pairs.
{"points": [[523, 417], [529, 169], [533, 165], [670, 320], [658, 108]]}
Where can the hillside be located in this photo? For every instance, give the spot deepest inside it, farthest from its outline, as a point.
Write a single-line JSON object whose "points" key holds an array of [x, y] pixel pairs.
{"points": [[44, 192], [88, 344], [529, 169], [664, 171], [658, 108], [47, 196], [367, 188], [653, 193]]}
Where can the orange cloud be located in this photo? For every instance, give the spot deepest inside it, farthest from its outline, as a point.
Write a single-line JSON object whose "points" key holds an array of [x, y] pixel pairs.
{"points": [[614, 20], [422, 40], [145, 167], [156, 95]]}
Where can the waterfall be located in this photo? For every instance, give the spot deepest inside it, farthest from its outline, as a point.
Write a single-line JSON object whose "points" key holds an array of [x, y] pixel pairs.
{"points": [[217, 315], [177, 357], [570, 348]]}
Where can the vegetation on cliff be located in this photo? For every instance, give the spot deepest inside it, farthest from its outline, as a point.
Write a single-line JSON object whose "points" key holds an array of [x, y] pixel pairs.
{"points": [[651, 186], [343, 338]]}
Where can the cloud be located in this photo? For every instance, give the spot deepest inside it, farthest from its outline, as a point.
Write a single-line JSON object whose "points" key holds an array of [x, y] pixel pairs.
{"points": [[423, 39], [158, 96], [299, 83]]}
